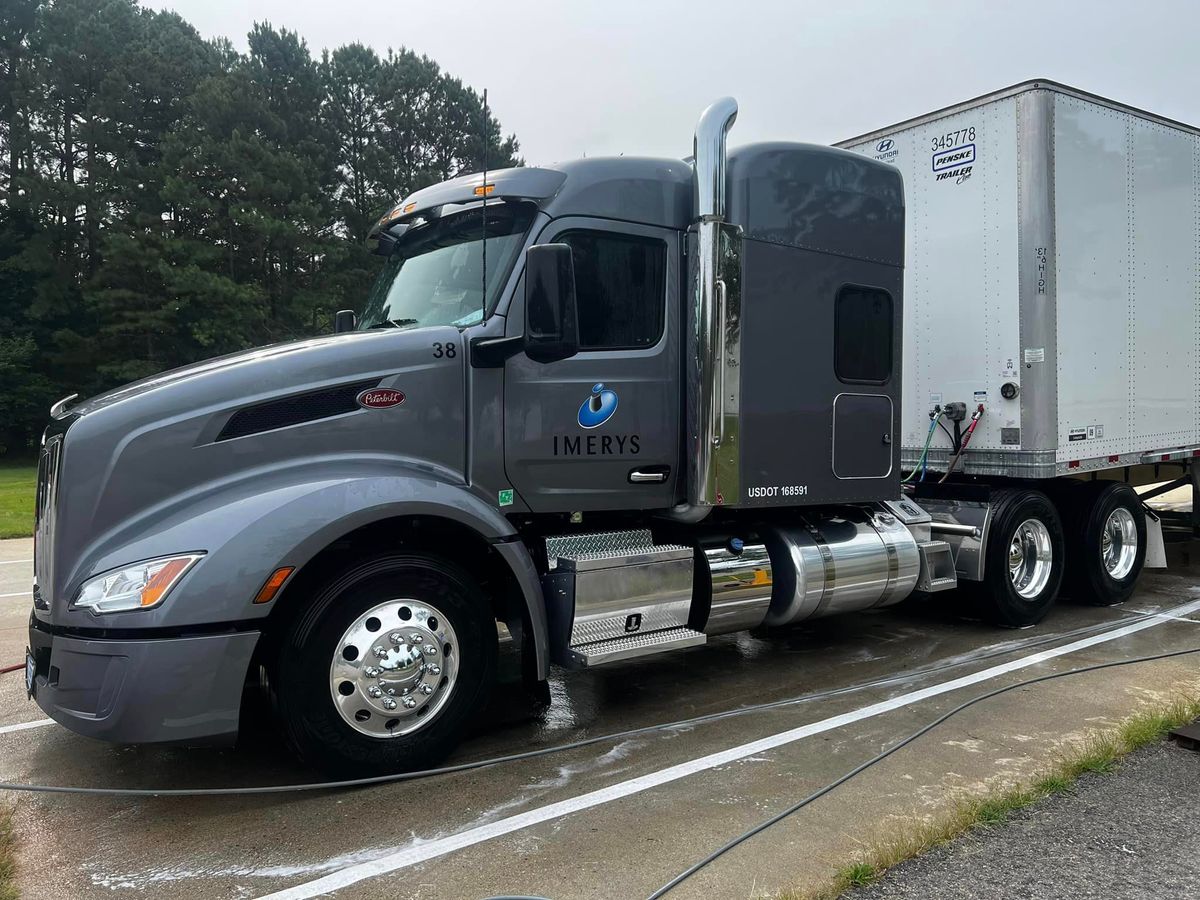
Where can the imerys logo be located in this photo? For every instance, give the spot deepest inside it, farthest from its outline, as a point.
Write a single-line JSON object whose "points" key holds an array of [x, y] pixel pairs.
{"points": [[380, 398], [598, 408], [595, 410]]}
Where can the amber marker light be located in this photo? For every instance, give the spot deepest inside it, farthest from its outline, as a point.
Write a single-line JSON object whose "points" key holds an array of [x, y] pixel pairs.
{"points": [[484, 189], [268, 591]]}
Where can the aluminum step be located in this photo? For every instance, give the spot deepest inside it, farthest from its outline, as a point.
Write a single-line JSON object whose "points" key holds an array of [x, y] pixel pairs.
{"points": [[598, 653], [937, 567]]}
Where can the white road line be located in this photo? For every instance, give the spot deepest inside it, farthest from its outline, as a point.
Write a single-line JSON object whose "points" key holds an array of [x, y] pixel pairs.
{"points": [[1163, 615], [13, 562], [17, 594], [23, 726], [424, 852]]}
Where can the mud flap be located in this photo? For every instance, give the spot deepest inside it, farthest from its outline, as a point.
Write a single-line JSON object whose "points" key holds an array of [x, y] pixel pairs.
{"points": [[1156, 550]]}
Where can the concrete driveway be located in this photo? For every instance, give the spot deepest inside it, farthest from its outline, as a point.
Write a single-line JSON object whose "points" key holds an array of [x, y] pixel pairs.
{"points": [[619, 818]]}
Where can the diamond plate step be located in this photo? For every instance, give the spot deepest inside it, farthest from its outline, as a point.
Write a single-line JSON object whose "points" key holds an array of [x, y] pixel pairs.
{"points": [[937, 567], [634, 645]]}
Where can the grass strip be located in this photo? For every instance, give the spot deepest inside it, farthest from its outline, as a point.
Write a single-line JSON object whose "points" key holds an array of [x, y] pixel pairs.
{"points": [[18, 484], [1099, 753]]}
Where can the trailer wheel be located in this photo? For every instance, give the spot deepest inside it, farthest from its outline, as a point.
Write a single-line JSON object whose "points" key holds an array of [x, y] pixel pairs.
{"points": [[387, 667], [1106, 543], [1023, 560]]}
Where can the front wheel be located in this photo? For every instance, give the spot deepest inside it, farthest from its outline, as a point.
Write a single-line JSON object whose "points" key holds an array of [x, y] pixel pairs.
{"points": [[386, 668], [1023, 560]]}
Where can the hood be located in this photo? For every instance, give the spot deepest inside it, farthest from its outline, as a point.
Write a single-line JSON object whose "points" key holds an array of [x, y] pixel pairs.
{"points": [[133, 457], [216, 364]]}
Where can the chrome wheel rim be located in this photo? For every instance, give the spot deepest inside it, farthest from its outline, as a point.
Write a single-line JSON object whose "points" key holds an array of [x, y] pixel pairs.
{"points": [[1119, 543], [1030, 558], [394, 668]]}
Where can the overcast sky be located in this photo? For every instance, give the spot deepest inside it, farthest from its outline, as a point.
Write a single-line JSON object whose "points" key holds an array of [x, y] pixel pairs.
{"points": [[631, 76]]}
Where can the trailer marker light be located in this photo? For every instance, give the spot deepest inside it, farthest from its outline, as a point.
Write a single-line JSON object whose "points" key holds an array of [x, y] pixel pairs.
{"points": [[269, 589], [1073, 464], [1114, 458]]}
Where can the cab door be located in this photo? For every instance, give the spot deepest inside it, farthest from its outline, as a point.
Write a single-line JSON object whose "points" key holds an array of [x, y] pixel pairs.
{"points": [[601, 430]]}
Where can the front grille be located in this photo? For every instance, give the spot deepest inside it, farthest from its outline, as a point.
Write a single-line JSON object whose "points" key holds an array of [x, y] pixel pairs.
{"points": [[45, 511], [294, 410]]}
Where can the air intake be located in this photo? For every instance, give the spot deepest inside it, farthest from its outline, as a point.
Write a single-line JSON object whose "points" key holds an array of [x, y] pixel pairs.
{"points": [[295, 410]]}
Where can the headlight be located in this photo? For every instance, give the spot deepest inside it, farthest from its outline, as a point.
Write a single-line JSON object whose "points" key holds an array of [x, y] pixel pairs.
{"points": [[139, 586]]}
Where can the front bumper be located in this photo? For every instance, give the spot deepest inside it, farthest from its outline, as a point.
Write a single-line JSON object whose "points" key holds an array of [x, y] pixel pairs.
{"points": [[163, 689]]}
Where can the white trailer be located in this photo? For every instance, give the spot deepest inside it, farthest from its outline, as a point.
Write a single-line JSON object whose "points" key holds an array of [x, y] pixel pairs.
{"points": [[1052, 274], [1052, 287]]}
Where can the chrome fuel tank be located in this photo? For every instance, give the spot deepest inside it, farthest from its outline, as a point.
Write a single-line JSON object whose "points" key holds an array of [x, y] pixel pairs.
{"points": [[854, 559]]}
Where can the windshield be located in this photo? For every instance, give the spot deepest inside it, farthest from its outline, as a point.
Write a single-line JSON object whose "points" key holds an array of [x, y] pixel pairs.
{"points": [[434, 275]]}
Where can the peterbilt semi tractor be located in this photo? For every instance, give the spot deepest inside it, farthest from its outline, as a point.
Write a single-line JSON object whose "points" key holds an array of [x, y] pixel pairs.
{"points": [[616, 407]]}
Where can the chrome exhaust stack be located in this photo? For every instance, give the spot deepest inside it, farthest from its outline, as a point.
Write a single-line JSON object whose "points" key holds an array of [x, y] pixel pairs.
{"points": [[713, 351]]}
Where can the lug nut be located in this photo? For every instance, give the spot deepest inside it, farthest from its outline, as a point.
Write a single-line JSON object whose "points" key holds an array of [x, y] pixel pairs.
{"points": [[427, 689], [389, 703], [396, 637], [380, 652], [409, 702], [374, 691], [434, 670], [416, 637], [391, 692], [372, 671], [430, 650]]}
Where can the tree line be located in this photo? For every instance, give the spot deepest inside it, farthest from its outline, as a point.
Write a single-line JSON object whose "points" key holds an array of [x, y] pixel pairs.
{"points": [[165, 198]]}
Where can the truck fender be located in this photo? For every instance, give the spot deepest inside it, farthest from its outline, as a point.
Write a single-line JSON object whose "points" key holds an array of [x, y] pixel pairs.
{"points": [[259, 521]]}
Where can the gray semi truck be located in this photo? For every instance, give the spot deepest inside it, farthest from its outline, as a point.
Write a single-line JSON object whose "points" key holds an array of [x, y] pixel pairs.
{"points": [[605, 410]]}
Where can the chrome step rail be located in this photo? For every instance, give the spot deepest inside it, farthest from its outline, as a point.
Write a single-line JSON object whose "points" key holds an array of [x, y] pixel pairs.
{"points": [[615, 595], [634, 645]]}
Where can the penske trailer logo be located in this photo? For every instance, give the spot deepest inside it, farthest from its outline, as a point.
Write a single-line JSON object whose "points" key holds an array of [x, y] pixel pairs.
{"points": [[955, 163]]}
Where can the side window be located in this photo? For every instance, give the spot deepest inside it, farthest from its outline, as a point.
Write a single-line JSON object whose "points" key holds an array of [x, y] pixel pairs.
{"points": [[620, 286], [863, 335]]}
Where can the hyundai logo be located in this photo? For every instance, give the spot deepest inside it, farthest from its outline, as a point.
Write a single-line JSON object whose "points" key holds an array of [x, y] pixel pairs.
{"points": [[598, 408], [885, 145]]}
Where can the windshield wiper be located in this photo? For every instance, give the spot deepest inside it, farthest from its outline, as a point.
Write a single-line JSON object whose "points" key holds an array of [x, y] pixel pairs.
{"points": [[394, 323]]}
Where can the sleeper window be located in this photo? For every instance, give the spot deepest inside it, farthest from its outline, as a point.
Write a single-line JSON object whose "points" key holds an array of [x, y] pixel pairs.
{"points": [[863, 335], [620, 283]]}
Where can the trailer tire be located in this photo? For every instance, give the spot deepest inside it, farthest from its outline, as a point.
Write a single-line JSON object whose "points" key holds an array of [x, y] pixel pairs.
{"points": [[434, 667], [1023, 560], [1106, 543]]}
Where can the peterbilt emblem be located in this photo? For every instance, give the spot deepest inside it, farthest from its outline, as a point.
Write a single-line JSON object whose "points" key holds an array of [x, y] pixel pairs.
{"points": [[380, 398]]}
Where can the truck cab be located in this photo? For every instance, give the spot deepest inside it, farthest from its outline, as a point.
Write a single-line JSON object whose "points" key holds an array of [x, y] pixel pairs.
{"points": [[607, 409]]}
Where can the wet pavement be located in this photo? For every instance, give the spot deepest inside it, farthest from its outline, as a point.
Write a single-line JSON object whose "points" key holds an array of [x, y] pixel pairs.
{"points": [[618, 818]]}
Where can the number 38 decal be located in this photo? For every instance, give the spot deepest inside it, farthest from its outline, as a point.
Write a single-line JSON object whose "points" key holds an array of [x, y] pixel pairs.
{"points": [[447, 350]]}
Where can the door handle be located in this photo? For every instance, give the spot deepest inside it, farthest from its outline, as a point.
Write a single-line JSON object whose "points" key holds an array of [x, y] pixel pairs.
{"points": [[653, 475]]}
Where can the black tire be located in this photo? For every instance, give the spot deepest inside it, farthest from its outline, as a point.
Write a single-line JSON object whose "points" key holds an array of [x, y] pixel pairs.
{"points": [[1087, 512], [997, 596], [301, 680]]}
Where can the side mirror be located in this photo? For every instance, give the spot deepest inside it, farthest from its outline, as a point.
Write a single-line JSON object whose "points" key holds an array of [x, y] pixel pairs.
{"points": [[344, 320], [551, 322]]}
